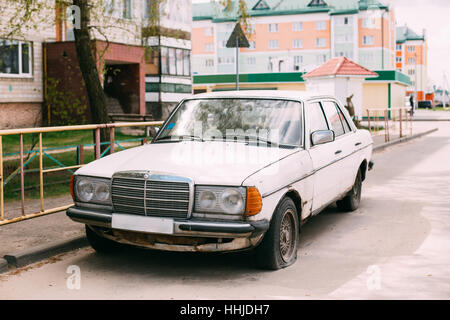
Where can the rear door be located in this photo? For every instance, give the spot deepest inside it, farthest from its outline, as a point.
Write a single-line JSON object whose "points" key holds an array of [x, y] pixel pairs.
{"points": [[344, 146], [326, 171]]}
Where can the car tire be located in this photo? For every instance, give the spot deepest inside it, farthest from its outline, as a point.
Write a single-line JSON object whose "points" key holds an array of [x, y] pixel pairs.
{"points": [[353, 198], [100, 244], [278, 248]]}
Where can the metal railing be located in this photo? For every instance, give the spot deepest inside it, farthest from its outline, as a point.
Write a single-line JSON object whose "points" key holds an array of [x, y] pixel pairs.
{"points": [[389, 122], [41, 152]]}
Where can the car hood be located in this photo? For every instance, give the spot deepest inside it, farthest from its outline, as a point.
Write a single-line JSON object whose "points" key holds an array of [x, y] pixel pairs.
{"points": [[225, 163]]}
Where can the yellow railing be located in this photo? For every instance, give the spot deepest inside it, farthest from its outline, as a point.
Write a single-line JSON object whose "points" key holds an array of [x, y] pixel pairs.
{"points": [[390, 121], [42, 170]]}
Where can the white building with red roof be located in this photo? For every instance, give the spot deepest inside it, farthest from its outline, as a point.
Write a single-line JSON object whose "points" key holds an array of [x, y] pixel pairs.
{"points": [[342, 78]]}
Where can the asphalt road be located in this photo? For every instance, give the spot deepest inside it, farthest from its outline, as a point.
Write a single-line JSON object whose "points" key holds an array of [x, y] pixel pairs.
{"points": [[396, 246]]}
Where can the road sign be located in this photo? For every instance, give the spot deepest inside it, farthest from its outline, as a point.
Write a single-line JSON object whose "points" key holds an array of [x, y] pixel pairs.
{"points": [[238, 38]]}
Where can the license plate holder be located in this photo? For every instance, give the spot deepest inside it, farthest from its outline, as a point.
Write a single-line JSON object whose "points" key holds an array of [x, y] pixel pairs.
{"points": [[145, 224]]}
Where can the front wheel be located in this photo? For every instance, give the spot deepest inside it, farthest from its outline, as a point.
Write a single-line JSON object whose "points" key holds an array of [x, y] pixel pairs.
{"points": [[278, 249], [352, 200]]}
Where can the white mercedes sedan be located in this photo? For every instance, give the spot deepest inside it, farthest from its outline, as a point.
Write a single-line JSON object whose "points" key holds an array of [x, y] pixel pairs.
{"points": [[227, 171]]}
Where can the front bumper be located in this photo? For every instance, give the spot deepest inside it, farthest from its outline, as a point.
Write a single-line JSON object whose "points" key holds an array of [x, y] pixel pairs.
{"points": [[183, 227]]}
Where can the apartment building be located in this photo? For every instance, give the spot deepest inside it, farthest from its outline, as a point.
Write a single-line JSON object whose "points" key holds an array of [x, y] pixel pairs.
{"points": [[21, 71], [294, 35], [411, 59], [143, 70]]}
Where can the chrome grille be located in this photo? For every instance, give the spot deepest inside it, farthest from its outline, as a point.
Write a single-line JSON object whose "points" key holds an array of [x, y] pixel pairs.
{"points": [[150, 197]]}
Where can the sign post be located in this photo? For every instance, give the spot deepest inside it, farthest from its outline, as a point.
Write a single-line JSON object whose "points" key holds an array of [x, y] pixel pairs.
{"points": [[237, 40]]}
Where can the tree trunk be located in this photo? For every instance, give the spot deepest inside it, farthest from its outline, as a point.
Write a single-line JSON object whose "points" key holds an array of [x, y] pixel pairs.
{"points": [[88, 67]]}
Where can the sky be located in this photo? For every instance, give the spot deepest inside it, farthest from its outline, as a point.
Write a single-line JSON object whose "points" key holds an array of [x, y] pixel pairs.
{"points": [[432, 15]]}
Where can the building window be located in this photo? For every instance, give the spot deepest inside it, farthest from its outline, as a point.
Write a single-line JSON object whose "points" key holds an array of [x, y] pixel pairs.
{"points": [[251, 60], [164, 60], [399, 47], [297, 26], [321, 58], [15, 58], [180, 62], [368, 40], [297, 43], [252, 45], [411, 72], [343, 38], [411, 60], [225, 60], [344, 21], [109, 7], [273, 44], [298, 60], [321, 25], [223, 44], [209, 63], [368, 23], [127, 9], [411, 49], [187, 63], [209, 47], [398, 59], [321, 42], [175, 61], [208, 32], [273, 27]]}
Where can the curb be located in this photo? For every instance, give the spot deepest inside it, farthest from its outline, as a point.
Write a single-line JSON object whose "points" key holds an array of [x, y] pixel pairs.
{"points": [[35, 254], [401, 140], [3, 265]]}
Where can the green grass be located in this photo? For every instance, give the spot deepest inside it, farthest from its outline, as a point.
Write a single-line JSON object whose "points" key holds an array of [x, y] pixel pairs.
{"points": [[441, 109]]}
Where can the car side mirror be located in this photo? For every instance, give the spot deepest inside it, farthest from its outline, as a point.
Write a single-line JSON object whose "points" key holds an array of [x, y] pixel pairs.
{"points": [[157, 130], [322, 136]]}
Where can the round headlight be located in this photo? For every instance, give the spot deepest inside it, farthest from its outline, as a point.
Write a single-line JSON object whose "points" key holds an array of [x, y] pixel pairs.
{"points": [[232, 201], [207, 200], [85, 190], [102, 192]]}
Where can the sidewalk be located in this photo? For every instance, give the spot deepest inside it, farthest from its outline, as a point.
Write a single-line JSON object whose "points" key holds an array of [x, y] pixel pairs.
{"points": [[430, 115], [418, 127], [54, 228]]}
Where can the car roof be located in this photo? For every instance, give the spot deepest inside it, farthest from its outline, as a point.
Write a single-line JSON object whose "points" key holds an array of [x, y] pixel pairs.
{"points": [[280, 94]]}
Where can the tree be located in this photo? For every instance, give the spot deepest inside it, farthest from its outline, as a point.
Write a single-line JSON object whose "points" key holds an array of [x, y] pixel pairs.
{"points": [[27, 16]]}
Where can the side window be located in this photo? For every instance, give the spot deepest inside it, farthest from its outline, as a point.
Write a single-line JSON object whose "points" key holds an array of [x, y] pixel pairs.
{"points": [[333, 117], [316, 118], [344, 120]]}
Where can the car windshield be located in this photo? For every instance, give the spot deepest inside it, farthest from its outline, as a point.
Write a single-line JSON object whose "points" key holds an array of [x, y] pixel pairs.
{"points": [[269, 121]]}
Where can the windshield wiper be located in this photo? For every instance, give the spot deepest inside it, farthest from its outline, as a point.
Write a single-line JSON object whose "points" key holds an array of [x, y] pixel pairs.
{"points": [[179, 138]]}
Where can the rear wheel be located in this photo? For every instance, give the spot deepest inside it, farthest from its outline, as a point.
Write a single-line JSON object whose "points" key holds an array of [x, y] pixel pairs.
{"points": [[352, 200], [100, 244], [279, 246]]}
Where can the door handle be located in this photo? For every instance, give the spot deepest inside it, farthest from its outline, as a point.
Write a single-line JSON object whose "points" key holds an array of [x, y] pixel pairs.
{"points": [[338, 152], [358, 144]]}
